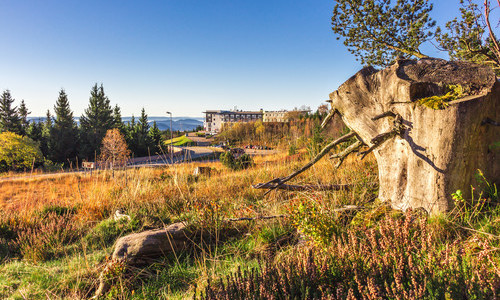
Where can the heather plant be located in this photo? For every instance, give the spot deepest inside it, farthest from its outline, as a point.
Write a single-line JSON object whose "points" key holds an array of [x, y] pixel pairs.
{"points": [[397, 260], [46, 237]]}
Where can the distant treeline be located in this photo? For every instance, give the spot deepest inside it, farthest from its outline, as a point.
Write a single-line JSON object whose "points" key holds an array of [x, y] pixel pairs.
{"points": [[62, 140]]}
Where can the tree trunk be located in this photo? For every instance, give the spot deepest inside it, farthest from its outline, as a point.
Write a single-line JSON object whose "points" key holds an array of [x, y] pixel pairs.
{"points": [[435, 152]]}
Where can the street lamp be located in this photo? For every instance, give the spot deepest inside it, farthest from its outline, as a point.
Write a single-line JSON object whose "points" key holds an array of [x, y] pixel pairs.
{"points": [[171, 140]]}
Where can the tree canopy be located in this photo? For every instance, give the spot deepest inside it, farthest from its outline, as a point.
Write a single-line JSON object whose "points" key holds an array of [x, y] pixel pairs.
{"points": [[378, 31], [96, 121], [9, 117], [18, 152]]}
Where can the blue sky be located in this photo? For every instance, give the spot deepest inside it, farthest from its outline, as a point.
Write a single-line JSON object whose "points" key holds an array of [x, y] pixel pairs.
{"points": [[184, 56]]}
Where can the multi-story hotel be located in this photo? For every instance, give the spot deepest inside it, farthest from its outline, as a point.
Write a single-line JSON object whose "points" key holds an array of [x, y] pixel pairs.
{"points": [[215, 119]]}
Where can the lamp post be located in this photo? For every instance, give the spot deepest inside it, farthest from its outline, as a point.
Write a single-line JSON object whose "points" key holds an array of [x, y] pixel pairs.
{"points": [[171, 140]]}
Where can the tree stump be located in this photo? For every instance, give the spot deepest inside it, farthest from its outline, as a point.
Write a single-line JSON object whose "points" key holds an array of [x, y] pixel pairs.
{"points": [[437, 151]]}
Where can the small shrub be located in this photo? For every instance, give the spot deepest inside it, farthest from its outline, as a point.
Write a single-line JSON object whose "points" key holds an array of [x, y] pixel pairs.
{"points": [[50, 166], [242, 162], [46, 237]]}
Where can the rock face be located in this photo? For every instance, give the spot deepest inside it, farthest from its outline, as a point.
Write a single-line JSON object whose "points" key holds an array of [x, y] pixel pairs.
{"points": [[136, 248], [438, 151]]}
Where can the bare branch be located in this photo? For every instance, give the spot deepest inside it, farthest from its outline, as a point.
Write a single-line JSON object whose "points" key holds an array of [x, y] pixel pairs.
{"points": [[377, 141], [306, 187], [492, 35], [490, 121], [254, 218], [324, 151], [383, 115], [347, 151], [327, 119]]}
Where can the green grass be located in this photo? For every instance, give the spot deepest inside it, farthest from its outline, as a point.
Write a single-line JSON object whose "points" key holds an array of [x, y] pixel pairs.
{"points": [[180, 141]]}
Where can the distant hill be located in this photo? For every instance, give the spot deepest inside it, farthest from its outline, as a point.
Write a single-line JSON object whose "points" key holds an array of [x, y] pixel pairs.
{"points": [[163, 123]]}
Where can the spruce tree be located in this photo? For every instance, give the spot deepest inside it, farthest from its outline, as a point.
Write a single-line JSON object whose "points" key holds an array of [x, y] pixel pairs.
{"points": [[156, 138], [64, 132], [143, 140], [95, 122], [35, 130], [117, 120], [23, 115], [9, 117], [45, 142], [131, 136]]}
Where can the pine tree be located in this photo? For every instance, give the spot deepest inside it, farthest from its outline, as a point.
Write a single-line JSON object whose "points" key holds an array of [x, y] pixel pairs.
{"points": [[117, 120], [23, 115], [9, 117], [156, 138], [379, 31], [63, 135], [35, 130], [45, 142], [143, 140], [95, 122]]}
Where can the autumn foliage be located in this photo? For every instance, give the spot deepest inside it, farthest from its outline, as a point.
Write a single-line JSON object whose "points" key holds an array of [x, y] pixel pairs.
{"points": [[114, 151]]}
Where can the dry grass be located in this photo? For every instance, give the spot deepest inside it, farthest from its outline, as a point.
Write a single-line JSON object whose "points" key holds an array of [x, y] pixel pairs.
{"points": [[63, 225]]}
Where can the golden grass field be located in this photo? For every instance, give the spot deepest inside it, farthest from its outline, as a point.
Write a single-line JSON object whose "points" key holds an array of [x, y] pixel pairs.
{"points": [[57, 233]]}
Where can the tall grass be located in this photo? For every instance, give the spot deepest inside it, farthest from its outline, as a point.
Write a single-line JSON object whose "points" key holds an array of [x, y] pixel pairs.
{"points": [[64, 225]]}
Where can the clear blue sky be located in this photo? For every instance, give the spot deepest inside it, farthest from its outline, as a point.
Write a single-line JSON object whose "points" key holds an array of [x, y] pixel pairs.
{"points": [[184, 56]]}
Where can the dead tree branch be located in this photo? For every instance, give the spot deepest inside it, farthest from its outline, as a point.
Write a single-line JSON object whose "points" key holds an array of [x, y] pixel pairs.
{"points": [[306, 187], [383, 115], [490, 121], [378, 141], [255, 218], [279, 181], [327, 119], [347, 151]]}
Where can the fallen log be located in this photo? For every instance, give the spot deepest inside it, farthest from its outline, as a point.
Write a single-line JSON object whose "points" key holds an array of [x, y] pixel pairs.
{"points": [[305, 187]]}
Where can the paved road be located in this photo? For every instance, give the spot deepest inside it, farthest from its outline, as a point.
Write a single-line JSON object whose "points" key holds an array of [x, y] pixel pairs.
{"points": [[183, 154]]}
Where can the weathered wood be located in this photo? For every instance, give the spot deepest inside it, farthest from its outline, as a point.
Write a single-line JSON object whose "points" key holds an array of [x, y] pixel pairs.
{"points": [[254, 218], [305, 187], [346, 152], [438, 151], [279, 181], [328, 118]]}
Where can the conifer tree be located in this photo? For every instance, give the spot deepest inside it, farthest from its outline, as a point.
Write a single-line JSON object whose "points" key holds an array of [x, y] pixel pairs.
{"points": [[23, 116], [117, 120], [379, 31], [143, 141], [156, 138], [64, 132], [35, 130], [9, 117], [45, 141], [96, 121], [131, 136]]}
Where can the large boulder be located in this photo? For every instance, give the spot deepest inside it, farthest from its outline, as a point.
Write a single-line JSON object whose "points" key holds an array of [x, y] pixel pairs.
{"points": [[437, 151]]}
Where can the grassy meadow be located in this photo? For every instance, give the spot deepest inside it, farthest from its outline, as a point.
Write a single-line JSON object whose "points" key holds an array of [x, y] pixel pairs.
{"points": [[57, 234]]}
